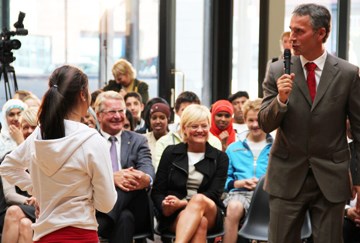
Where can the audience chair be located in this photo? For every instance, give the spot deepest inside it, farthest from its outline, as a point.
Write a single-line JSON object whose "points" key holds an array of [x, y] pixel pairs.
{"points": [[138, 238], [168, 237], [141, 237], [256, 222]]}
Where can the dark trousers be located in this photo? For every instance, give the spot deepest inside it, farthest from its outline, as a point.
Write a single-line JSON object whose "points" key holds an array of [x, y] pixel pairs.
{"points": [[131, 214], [287, 216], [351, 232]]}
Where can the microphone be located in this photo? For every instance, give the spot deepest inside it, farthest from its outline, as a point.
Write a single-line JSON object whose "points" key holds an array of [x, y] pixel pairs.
{"points": [[287, 60]]}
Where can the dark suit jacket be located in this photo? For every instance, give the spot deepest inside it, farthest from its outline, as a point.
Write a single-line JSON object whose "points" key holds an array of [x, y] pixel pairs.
{"points": [[135, 153], [312, 135], [139, 86], [172, 175]]}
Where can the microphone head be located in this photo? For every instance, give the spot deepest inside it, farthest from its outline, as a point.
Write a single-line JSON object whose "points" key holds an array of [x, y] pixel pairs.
{"points": [[287, 53], [287, 61]]}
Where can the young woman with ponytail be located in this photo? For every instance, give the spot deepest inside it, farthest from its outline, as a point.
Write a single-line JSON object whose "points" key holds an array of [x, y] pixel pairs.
{"points": [[69, 164]]}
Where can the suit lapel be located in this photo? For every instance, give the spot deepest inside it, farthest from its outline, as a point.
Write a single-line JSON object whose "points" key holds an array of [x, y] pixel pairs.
{"points": [[125, 148], [301, 80], [327, 77]]}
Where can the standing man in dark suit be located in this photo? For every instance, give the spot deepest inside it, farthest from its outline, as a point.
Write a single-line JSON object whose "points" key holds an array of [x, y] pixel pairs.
{"points": [[309, 161], [133, 172]]}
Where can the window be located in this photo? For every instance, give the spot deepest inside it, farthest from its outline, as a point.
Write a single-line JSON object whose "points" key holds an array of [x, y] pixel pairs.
{"points": [[72, 32], [354, 47], [331, 5], [189, 39], [245, 47]]}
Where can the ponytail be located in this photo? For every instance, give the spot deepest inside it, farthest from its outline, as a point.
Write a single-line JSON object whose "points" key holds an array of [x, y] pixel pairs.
{"points": [[65, 84]]}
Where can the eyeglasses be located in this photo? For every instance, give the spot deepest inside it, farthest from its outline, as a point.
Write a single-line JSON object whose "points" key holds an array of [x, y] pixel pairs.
{"points": [[196, 127], [113, 112]]}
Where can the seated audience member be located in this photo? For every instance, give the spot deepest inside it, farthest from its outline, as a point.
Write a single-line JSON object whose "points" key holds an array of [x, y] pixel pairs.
{"points": [[182, 101], [10, 135], [159, 119], [147, 108], [285, 43], [133, 173], [21, 94], [94, 95], [125, 80], [134, 104], [221, 122], [32, 101], [237, 100], [248, 160], [173, 138], [28, 121], [128, 121], [189, 181], [21, 212], [351, 228], [90, 119], [18, 221]]}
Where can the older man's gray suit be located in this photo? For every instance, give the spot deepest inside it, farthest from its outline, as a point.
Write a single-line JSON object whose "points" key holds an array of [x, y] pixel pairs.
{"points": [[312, 134], [132, 212]]}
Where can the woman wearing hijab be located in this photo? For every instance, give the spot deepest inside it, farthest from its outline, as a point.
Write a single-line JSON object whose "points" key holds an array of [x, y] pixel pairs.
{"points": [[18, 205], [11, 134], [221, 122]]}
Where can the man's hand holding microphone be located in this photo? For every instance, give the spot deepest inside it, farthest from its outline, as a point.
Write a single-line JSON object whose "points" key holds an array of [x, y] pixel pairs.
{"points": [[285, 82]]}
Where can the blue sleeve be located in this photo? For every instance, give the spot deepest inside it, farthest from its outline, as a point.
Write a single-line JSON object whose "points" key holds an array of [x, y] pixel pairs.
{"points": [[230, 180]]}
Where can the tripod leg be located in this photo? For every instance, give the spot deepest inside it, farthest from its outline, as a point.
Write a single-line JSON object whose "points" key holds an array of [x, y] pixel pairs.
{"points": [[5, 69], [15, 81], [6, 84]]}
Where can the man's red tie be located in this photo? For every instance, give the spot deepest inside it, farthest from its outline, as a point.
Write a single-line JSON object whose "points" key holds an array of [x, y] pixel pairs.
{"points": [[311, 82]]}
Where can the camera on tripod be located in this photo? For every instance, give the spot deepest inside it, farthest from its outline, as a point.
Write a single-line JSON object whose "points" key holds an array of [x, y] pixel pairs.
{"points": [[6, 55], [7, 45]]}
